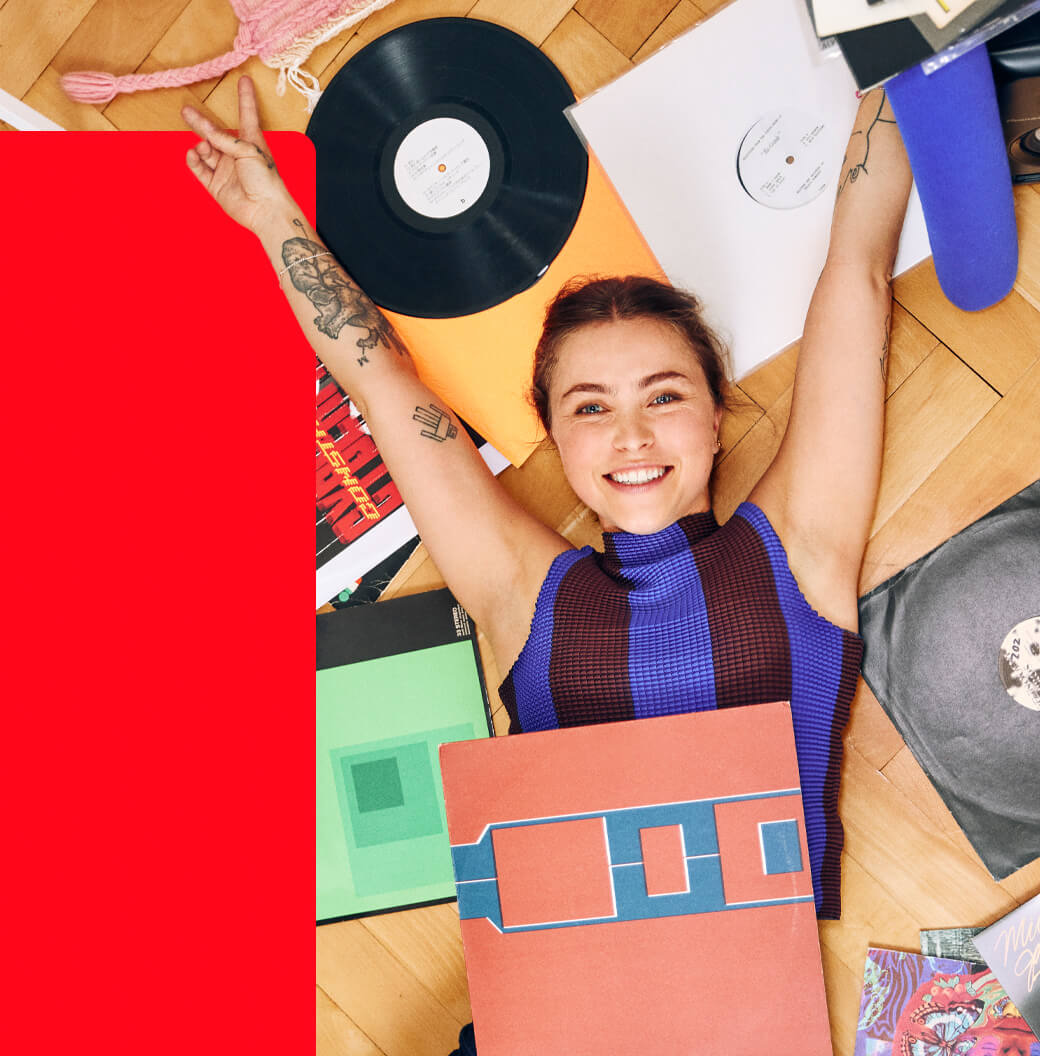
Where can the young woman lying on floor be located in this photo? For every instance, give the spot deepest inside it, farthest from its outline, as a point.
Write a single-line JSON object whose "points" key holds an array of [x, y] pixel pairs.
{"points": [[677, 613]]}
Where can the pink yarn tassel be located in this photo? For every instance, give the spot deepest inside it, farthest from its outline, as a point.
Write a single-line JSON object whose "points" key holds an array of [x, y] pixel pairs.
{"points": [[90, 87], [100, 88], [266, 28]]}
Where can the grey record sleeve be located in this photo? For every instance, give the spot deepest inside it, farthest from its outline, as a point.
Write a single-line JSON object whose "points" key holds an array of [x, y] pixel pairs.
{"points": [[933, 637]]}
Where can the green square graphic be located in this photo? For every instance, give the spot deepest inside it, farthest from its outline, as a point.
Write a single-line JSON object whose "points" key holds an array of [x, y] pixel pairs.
{"points": [[377, 785], [418, 811], [377, 719]]}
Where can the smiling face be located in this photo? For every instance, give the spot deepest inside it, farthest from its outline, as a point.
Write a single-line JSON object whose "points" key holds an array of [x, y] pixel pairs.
{"points": [[635, 423]]}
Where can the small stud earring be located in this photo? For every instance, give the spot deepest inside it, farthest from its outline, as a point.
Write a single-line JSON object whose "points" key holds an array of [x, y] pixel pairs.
{"points": [[718, 444]]}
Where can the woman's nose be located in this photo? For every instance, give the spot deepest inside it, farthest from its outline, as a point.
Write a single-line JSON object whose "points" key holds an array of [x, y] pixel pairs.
{"points": [[632, 432]]}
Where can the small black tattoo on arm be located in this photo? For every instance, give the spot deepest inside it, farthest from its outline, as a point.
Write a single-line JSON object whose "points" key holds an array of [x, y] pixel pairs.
{"points": [[861, 146], [437, 424], [315, 273]]}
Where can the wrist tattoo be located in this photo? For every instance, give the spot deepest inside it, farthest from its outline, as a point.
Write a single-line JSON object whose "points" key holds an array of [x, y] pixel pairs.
{"points": [[861, 146], [437, 424], [339, 301]]}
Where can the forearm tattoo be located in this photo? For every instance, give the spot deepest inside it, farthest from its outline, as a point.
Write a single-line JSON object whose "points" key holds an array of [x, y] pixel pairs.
{"points": [[884, 349], [339, 301], [859, 147], [436, 423]]}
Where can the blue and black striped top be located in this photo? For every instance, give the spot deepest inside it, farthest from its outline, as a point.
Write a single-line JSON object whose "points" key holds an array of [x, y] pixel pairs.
{"points": [[693, 617]]}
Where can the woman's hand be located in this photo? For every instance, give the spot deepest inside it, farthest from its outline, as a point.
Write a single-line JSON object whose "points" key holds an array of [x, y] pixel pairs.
{"points": [[239, 172]]}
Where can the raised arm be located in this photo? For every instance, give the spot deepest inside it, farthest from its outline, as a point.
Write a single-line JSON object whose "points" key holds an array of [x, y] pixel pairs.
{"points": [[491, 552], [821, 488]]}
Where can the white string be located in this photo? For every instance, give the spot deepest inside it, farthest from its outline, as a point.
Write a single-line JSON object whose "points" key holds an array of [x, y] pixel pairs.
{"points": [[302, 260]]}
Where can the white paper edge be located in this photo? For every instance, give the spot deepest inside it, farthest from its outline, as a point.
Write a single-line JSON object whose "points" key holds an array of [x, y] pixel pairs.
{"points": [[24, 117]]}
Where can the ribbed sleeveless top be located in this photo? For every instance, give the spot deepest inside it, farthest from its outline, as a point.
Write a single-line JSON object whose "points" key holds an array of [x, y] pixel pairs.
{"points": [[693, 617]]}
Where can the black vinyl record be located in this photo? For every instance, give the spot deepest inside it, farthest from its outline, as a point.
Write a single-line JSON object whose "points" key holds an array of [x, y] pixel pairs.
{"points": [[448, 177]]}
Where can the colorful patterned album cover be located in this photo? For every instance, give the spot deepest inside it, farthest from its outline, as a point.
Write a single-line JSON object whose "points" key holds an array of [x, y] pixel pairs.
{"points": [[361, 518], [1011, 948], [395, 680], [638, 887], [935, 1006]]}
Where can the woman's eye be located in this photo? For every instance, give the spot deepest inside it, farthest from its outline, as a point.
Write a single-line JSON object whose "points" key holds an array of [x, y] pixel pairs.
{"points": [[665, 397], [590, 408]]}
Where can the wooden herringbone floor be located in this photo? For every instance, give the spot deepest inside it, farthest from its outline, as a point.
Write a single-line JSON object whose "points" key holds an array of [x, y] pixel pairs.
{"points": [[963, 434]]}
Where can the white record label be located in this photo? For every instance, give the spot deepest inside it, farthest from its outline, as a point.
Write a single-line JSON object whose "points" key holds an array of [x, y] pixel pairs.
{"points": [[785, 159], [1019, 663], [442, 167]]}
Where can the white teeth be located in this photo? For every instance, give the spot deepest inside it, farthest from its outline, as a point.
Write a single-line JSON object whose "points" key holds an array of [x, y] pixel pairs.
{"points": [[637, 476]]}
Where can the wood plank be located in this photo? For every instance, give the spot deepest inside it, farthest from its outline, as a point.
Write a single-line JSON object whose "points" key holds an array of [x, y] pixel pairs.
{"points": [[842, 987], [1027, 211], [30, 41], [906, 773], [336, 1033], [870, 916], [927, 416], [202, 31], [582, 528], [626, 26], [585, 57], [910, 344], [870, 731], [385, 1001], [402, 12], [740, 415], [534, 19], [769, 380], [117, 37], [428, 942], [999, 343], [48, 97], [904, 852], [540, 486], [682, 17], [994, 461], [739, 470]]}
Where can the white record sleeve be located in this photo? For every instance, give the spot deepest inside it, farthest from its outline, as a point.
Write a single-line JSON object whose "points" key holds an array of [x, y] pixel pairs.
{"points": [[669, 133]]}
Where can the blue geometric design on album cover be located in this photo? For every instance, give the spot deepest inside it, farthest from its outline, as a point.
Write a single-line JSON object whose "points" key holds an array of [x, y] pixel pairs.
{"points": [[476, 874], [781, 846]]}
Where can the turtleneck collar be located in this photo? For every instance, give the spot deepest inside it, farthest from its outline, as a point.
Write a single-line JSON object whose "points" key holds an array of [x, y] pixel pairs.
{"points": [[630, 551]]}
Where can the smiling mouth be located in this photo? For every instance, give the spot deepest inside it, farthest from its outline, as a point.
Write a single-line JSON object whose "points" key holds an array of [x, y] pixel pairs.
{"points": [[633, 477]]}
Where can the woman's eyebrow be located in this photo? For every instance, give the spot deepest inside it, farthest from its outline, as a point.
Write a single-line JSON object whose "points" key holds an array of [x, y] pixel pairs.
{"points": [[662, 375], [586, 386]]}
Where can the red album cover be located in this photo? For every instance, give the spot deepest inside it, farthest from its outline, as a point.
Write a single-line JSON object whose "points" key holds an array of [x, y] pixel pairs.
{"points": [[638, 887]]}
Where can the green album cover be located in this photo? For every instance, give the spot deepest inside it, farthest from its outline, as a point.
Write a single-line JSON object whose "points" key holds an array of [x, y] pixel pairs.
{"points": [[409, 681]]}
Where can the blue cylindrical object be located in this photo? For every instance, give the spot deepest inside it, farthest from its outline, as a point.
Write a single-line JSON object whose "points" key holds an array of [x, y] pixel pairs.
{"points": [[950, 123]]}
